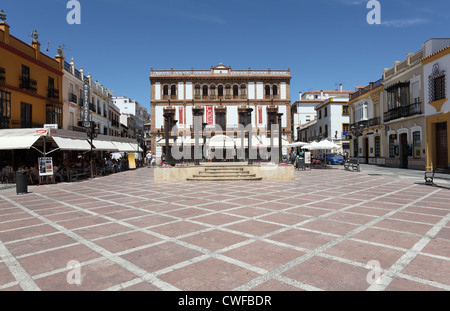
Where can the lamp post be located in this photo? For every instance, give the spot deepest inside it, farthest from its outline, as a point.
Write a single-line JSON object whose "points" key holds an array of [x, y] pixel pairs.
{"points": [[280, 142], [138, 138], [167, 119], [175, 137], [198, 112], [250, 134], [204, 139], [92, 132], [357, 131]]}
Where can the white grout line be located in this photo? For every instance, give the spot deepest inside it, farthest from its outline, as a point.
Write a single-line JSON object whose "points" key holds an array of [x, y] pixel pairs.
{"points": [[23, 278], [407, 258], [142, 273], [212, 227]]}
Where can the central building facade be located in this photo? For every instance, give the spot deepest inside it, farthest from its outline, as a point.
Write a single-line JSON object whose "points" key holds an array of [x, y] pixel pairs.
{"points": [[223, 97]]}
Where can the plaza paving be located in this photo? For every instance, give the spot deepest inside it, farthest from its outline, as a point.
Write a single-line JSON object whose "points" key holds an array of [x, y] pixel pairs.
{"points": [[318, 232]]}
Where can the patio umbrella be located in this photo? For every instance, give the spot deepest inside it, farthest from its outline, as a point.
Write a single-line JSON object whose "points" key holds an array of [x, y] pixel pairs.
{"points": [[311, 146], [327, 145], [297, 144]]}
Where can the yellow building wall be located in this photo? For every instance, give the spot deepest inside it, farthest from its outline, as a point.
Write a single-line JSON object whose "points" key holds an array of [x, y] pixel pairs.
{"points": [[431, 138], [15, 53]]}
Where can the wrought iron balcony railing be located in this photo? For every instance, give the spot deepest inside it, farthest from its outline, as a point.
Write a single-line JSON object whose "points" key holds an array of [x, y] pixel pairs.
{"points": [[2, 75], [53, 94], [73, 98], [28, 84], [403, 111]]}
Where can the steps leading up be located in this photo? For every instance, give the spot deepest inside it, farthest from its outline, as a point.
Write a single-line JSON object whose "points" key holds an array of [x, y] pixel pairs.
{"points": [[225, 173]]}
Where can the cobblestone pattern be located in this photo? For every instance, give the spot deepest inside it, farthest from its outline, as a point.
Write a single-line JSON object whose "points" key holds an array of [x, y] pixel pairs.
{"points": [[319, 232]]}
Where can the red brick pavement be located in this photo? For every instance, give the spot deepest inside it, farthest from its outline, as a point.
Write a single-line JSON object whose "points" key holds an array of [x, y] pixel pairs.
{"points": [[318, 232]]}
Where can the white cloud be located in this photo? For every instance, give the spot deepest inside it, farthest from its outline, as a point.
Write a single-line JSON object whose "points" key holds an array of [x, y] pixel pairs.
{"points": [[402, 23]]}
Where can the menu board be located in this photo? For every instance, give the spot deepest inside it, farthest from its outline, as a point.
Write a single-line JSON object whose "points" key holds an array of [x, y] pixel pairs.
{"points": [[45, 166]]}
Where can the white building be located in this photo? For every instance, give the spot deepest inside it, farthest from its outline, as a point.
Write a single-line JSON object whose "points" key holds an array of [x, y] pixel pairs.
{"points": [[304, 110], [99, 101], [224, 97], [128, 106], [436, 66]]}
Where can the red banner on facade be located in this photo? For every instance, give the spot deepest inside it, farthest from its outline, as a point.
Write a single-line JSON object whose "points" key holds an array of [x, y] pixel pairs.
{"points": [[180, 115], [260, 115], [209, 115]]}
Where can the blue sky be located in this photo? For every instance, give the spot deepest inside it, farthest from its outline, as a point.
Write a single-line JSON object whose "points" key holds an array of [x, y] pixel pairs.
{"points": [[323, 42]]}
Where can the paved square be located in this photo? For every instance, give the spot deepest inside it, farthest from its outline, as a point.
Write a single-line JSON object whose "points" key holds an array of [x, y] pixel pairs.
{"points": [[318, 232]]}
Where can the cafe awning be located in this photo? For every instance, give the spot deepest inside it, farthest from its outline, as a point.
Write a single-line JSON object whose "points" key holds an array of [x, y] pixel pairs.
{"points": [[72, 144], [124, 147], [135, 147], [11, 139], [103, 145]]}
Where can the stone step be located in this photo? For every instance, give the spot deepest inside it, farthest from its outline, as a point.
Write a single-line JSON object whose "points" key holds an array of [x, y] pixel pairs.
{"points": [[226, 172], [224, 169], [225, 179], [225, 175]]}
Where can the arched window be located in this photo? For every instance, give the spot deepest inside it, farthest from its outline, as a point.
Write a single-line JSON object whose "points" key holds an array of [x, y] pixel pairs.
{"points": [[227, 91], [235, 91], [197, 94], [275, 91], [267, 92], [243, 91], [205, 91], [165, 91], [220, 91], [173, 91]]}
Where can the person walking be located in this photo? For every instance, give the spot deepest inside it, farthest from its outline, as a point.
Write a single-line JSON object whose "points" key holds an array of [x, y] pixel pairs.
{"points": [[148, 158], [153, 159]]}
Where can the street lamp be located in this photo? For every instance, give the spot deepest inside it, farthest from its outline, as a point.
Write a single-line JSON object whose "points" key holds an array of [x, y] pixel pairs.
{"points": [[280, 143], [198, 112], [175, 136], [204, 140], [167, 119], [138, 138], [92, 132], [250, 134], [357, 131]]}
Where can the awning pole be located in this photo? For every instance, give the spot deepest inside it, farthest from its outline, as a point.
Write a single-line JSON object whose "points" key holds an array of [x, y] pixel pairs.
{"points": [[37, 150]]}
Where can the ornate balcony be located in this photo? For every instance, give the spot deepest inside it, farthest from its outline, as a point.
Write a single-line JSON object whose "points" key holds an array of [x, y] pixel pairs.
{"points": [[53, 94], [28, 84], [403, 111], [2, 75]]}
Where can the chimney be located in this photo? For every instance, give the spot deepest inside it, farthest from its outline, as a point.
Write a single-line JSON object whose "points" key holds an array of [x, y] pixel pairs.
{"points": [[321, 94], [340, 87], [300, 96]]}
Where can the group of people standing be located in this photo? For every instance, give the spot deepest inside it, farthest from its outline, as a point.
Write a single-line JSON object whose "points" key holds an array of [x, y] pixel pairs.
{"points": [[150, 158]]}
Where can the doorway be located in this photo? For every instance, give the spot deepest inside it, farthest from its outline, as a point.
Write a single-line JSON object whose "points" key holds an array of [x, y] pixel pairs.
{"points": [[404, 151], [441, 145], [366, 149]]}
